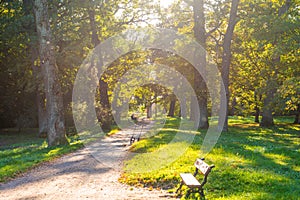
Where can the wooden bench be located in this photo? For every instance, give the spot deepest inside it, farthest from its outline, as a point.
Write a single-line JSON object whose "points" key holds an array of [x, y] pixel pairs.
{"points": [[191, 181]]}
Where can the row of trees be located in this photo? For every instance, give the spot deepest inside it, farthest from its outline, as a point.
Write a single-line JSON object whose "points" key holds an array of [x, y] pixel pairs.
{"points": [[43, 43]]}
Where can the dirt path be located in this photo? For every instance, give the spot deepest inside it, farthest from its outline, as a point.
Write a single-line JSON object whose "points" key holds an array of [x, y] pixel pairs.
{"points": [[80, 175]]}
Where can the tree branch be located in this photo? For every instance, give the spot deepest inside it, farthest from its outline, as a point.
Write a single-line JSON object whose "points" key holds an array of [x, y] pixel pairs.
{"points": [[213, 30]]}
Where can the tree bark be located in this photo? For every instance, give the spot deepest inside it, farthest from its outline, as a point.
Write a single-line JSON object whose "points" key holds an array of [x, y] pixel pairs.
{"points": [[183, 109], [193, 111], [105, 115], [172, 107], [42, 114], [267, 115], [149, 110], [40, 96], [257, 110], [199, 83], [226, 58], [54, 105], [233, 104]]}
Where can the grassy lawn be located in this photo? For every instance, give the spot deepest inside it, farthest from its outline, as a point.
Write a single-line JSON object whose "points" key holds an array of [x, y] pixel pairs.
{"points": [[22, 151], [251, 162]]}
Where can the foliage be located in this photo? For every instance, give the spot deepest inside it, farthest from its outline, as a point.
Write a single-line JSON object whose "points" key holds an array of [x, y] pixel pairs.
{"points": [[265, 56], [261, 36], [16, 76]]}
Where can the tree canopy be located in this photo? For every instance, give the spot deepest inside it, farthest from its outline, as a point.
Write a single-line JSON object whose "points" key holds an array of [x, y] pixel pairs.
{"points": [[255, 45]]}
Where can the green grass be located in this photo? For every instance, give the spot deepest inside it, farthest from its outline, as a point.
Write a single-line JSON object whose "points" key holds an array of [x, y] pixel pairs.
{"points": [[22, 151], [251, 162]]}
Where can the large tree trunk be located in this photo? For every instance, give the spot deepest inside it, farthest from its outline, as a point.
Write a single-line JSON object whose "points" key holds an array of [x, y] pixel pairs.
{"points": [[199, 83], [54, 105], [226, 58], [267, 115], [105, 115]]}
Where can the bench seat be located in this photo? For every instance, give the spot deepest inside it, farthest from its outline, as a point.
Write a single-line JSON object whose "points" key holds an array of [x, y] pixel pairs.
{"points": [[190, 180]]}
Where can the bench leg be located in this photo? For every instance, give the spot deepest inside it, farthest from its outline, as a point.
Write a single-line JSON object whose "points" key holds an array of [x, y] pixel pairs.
{"points": [[179, 189], [192, 190], [188, 193], [201, 194]]}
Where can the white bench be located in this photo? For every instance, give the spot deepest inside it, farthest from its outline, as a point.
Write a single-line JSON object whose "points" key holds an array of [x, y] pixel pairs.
{"points": [[192, 182]]}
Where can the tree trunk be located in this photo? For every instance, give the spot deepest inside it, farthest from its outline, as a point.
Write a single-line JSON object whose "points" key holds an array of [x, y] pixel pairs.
{"points": [[199, 83], [257, 110], [267, 110], [40, 95], [297, 116], [183, 109], [226, 58], [42, 114], [172, 108], [149, 110], [267, 115], [105, 117], [233, 104], [54, 105], [193, 104]]}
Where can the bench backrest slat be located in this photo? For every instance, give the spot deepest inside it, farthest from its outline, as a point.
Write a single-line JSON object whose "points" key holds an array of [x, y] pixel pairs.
{"points": [[202, 166]]}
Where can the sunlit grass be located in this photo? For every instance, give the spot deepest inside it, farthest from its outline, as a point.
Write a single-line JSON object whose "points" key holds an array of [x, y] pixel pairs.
{"points": [[21, 157], [25, 150], [251, 162]]}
